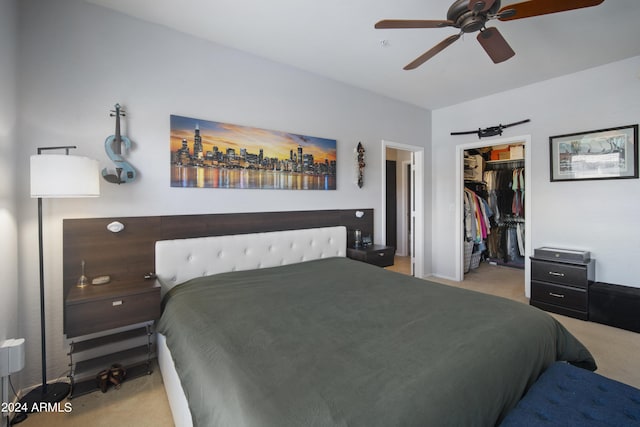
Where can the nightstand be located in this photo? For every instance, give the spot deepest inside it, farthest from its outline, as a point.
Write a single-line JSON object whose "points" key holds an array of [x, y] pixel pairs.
{"points": [[379, 255], [96, 321], [562, 287]]}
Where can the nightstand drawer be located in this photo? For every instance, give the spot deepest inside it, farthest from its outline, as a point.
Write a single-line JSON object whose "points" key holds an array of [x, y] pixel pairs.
{"points": [[382, 256], [98, 315], [556, 272], [565, 296]]}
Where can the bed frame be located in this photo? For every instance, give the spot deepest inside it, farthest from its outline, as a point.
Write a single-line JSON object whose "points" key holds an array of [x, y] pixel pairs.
{"points": [[180, 260], [130, 254]]}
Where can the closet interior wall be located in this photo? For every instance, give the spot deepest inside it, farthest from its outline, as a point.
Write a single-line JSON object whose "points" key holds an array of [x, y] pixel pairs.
{"points": [[494, 206]]}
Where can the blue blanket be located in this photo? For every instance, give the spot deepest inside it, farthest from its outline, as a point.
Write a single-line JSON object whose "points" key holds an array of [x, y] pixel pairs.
{"points": [[566, 396]]}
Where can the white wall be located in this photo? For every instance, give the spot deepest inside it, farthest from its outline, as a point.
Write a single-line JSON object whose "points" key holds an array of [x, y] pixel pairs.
{"points": [[77, 60], [599, 216], [8, 225], [8, 150]]}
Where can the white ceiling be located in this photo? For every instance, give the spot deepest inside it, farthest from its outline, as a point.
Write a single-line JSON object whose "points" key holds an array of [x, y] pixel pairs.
{"points": [[336, 39]]}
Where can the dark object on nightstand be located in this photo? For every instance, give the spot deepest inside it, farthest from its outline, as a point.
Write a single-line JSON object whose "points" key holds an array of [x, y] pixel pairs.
{"points": [[562, 287], [379, 255], [566, 255], [615, 305]]}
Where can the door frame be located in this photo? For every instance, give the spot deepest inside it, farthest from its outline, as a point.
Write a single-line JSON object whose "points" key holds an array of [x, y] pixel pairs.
{"points": [[407, 243], [459, 249], [418, 201]]}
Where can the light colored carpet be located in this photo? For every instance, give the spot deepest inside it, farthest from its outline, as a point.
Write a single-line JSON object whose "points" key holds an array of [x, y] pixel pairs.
{"points": [[615, 350], [143, 402], [139, 402]]}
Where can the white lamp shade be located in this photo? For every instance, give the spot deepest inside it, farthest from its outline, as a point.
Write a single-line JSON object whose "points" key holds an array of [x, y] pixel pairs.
{"points": [[61, 175]]}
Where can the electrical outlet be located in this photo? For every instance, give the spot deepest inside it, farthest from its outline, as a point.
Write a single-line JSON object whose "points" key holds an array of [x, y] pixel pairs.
{"points": [[11, 356]]}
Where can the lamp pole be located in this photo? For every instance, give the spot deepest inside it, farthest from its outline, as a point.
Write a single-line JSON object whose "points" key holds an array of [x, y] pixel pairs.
{"points": [[55, 392]]}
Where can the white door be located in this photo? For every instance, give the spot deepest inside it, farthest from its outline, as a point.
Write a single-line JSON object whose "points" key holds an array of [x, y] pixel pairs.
{"points": [[416, 203]]}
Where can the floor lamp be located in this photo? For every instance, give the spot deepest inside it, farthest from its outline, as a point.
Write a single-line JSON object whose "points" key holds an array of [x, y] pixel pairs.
{"points": [[57, 176]]}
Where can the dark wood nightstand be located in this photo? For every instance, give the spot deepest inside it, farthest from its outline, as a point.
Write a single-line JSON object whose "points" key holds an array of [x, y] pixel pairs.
{"points": [[379, 255], [96, 320], [562, 287]]}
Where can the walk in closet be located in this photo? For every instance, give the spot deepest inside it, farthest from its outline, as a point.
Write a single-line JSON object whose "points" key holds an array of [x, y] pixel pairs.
{"points": [[494, 208]]}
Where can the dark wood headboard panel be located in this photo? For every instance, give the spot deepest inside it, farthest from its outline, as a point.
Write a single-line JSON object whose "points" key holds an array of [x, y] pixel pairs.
{"points": [[130, 253]]}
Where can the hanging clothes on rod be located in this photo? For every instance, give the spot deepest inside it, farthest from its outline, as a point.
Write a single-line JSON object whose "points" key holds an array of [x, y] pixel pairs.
{"points": [[517, 185], [505, 186], [477, 214], [505, 192]]}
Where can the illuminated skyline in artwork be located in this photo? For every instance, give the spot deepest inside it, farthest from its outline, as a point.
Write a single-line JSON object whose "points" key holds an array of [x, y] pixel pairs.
{"points": [[276, 144], [209, 154]]}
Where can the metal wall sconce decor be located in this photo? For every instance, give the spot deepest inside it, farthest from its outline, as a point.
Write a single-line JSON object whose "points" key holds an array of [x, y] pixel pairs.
{"points": [[361, 164]]}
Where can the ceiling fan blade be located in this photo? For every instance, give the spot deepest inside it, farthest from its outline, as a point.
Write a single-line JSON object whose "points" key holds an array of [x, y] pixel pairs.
{"points": [[480, 5], [431, 52], [527, 9], [495, 45], [412, 23]]}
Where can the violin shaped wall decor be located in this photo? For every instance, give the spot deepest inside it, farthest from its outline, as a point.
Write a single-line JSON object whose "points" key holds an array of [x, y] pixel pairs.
{"points": [[124, 172]]}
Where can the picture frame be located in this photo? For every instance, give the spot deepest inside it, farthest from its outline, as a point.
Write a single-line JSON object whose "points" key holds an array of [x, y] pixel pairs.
{"points": [[594, 155], [210, 154]]}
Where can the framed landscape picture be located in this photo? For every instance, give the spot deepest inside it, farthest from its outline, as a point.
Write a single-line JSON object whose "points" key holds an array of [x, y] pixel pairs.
{"points": [[208, 154], [601, 154]]}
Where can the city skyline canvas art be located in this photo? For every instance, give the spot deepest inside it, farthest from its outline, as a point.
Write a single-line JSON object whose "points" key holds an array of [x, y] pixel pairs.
{"points": [[209, 154]]}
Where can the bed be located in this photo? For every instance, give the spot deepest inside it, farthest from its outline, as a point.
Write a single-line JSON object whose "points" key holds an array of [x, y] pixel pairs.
{"points": [[281, 329]]}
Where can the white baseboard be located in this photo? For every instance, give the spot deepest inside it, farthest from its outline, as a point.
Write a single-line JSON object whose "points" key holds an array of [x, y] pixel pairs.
{"points": [[439, 276]]}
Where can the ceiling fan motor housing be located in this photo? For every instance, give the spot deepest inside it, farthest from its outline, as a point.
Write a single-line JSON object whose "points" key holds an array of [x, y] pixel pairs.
{"points": [[467, 20]]}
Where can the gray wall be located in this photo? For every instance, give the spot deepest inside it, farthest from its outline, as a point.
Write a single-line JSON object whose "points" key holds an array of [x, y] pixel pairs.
{"points": [[8, 150], [77, 60], [599, 216], [8, 226]]}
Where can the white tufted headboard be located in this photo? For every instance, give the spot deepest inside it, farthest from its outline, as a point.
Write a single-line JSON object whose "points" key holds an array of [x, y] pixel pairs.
{"points": [[180, 260]]}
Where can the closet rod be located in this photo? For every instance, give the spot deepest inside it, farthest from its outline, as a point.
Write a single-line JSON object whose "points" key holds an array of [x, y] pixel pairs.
{"points": [[503, 164]]}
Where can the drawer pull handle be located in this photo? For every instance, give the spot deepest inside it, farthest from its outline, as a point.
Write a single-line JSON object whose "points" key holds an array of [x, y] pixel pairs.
{"points": [[553, 273], [381, 254], [556, 295], [116, 303]]}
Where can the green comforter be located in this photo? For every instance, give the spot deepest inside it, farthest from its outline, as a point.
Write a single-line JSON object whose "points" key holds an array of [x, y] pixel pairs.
{"points": [[336, 342]]}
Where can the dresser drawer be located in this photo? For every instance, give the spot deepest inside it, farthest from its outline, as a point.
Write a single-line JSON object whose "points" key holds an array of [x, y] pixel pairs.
{"points": [[565, 296], [556, 272], [578, 314], [87, 317]]}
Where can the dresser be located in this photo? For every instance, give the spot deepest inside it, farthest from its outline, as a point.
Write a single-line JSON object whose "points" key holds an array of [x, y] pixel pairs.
{"points": [[562, 286]]}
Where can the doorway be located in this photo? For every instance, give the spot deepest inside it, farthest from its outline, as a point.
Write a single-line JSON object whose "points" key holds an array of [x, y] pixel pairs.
{"points": [[525, 143], [407, 204]]}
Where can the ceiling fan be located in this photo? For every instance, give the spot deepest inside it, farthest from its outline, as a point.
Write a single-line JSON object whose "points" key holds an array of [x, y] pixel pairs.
{"points": [[471, 16]]}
